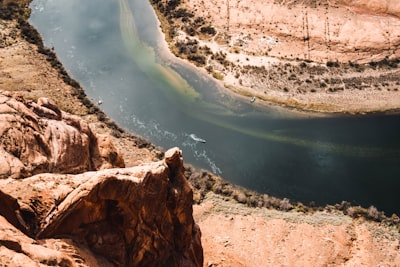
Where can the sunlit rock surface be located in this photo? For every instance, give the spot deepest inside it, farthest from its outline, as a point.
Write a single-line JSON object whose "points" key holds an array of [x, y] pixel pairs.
{"points": [[139, 216], [39, 137], [69, 208]]}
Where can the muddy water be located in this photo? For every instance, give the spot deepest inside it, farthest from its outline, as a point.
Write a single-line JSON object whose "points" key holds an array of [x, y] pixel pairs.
{"points": [[115, 49]]}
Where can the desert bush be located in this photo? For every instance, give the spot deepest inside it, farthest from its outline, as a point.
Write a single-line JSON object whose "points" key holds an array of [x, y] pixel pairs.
{"points": [[356, 212], [285, 205], [303, 65], [199, 59], [373, 213], [199, 21], [30, 34], [190, 30], [10, 11], [182, 13], [208, 30], [172, 4], [391, 63], [206, 50], [331, 64]]}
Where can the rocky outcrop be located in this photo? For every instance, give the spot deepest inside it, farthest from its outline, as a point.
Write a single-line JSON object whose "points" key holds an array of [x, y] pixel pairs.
{"points": [[17, 249], [39, 137], [139, 216], [68, 207]]}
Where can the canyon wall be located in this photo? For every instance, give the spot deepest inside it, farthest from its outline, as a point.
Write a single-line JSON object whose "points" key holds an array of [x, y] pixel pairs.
{"points": [[68, 208], [344, 30]]}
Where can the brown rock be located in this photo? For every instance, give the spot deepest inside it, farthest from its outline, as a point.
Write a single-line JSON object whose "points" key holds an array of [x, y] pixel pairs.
{"points": [[39, 137], [17, 249], [139, 216]]}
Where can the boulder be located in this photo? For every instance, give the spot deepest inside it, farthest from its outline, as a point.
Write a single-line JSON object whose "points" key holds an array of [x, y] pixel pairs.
{"points": [[39, 137]]}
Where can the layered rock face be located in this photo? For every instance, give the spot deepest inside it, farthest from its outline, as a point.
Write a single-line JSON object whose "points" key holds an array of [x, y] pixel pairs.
{"points": [[139, 216], [39, 137], [344, 30]]}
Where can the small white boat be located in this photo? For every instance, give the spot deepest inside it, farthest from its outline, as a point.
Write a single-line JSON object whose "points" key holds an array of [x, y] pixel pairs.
{"points": [[197, 139], [253, 99]]}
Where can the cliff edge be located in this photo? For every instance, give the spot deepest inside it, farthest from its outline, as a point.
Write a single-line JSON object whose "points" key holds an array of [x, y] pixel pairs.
{"points": [[76, 211]]}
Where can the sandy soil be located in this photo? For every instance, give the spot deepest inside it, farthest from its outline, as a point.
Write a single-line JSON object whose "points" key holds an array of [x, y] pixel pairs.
{"points": [[234, 235]]}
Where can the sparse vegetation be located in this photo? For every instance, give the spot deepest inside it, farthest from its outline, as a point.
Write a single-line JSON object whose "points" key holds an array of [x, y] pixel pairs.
{"points": [[332, 64], [204, 182], [12, 10]]}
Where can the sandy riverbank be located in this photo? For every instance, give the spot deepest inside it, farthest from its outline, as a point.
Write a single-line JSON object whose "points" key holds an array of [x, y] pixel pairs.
{"points": [[258, 49]]}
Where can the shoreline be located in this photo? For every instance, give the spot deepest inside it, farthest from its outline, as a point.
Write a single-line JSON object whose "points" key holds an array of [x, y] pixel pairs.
{"points": [[231, 191], [169, 57], [140, 150], [296, 84]]}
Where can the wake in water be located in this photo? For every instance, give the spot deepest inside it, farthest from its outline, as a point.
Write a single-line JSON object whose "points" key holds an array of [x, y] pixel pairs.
{"points": [[154, 131], [200, 154], [191, 103], [39, 5]]}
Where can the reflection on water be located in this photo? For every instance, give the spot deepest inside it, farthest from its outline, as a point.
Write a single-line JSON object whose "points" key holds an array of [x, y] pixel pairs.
{"points": [[323, 159]]}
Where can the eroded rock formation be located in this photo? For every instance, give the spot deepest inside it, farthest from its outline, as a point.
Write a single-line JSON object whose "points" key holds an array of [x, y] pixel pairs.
{"points": [[139, 216], [39, 137]]}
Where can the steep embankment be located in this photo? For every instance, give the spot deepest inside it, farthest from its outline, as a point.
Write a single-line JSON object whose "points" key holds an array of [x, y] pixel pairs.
{"points": [[233, 234], [332, 56]]}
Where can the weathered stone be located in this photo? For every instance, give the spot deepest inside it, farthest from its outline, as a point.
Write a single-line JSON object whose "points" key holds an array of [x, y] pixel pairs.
{"points": [[16, 249], [139, 216], [38, 137]]}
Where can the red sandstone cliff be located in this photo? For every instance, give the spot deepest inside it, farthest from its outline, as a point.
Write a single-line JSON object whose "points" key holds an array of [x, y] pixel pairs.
{"points": [[66, 216]]}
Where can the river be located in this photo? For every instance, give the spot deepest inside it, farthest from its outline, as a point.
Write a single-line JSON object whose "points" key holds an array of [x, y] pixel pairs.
{"points": [[116, 51]]}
